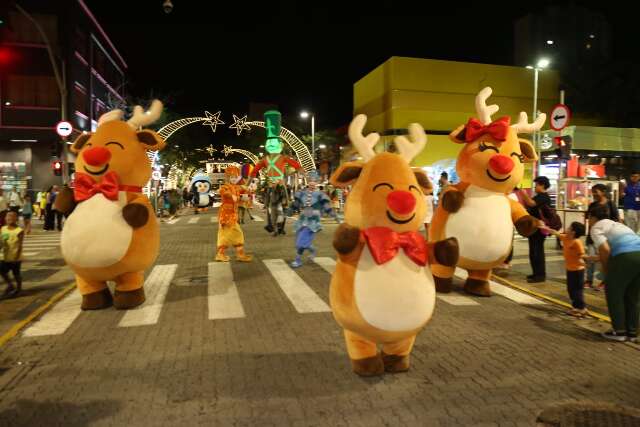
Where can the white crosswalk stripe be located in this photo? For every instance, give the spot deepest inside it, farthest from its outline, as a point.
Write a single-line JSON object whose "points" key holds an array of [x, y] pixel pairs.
{"points": [[328, 264], [156, 287], [303, 298], [223, 299], [194, 220], [505, 291], [457, 300], [59, 318], [258, 218], [28, 254], [214, 219], [173, 221]]}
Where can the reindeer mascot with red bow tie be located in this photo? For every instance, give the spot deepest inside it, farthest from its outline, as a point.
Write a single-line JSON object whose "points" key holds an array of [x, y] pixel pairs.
{"points": [[382, 291], [477, 211], [112, 234]]}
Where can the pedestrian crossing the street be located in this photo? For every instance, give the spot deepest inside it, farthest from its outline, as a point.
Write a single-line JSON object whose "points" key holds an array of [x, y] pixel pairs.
{"points": [[224, 299]]}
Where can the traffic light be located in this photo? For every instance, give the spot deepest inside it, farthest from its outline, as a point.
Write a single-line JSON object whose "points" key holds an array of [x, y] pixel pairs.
{"points": [[563, 147], [56, 165]]}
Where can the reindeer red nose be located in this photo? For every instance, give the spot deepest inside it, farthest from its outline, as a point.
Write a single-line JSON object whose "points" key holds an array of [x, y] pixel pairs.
{"points": [[402, 202], [96, 156], [501, 164]]}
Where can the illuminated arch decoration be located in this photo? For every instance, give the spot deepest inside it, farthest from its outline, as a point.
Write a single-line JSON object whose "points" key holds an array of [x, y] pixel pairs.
{"points": [[248, 154], [301, 150], [212, 120], [240, 124]]}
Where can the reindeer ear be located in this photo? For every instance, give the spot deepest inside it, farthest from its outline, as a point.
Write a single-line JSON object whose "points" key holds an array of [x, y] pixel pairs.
{"points": [[527, 150], [150, 139], [346, 174], [79, 142], [457, 135], [423, 179]]}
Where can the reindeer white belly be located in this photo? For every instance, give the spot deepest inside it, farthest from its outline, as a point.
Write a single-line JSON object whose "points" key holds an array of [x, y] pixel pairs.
{"points": [[482, 226], [96, 234], [396, 296]]}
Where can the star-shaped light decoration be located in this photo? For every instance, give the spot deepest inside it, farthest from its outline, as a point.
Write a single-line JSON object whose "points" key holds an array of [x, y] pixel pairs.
{"points": [[209, 149], [213, 120], [227, 150], [240, 124]]}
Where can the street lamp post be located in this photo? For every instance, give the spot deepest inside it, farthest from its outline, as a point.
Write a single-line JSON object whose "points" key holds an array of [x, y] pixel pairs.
{"points": [[305, 115], [540, 65], [61, 80]]}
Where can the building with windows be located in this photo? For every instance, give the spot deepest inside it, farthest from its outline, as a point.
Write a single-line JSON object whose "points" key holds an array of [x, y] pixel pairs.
{"points": [[92, 79]]}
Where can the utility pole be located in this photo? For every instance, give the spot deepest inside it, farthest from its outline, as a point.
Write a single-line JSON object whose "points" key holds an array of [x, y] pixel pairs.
{"points": [[61, 80]]}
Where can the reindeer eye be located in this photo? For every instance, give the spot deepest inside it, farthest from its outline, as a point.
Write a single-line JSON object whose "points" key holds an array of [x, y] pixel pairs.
{"points": [[381, 184], [519, 156], [115, 143], [484, 147]]}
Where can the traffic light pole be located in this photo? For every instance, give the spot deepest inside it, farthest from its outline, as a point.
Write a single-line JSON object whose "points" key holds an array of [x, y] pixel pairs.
{"points": [[60, 76]]}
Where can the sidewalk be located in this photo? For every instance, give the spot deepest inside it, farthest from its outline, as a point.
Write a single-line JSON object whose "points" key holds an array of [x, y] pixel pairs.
{"points": [[556, 284], [44, 274]]}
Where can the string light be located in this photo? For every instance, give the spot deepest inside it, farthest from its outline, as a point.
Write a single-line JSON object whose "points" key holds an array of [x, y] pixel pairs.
{"points": [[240, 124], [213, 120]]}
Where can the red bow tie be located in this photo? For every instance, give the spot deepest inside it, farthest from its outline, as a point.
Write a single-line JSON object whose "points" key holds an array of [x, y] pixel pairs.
{"points": [[498, 129], [384, 244], [86, 187]]}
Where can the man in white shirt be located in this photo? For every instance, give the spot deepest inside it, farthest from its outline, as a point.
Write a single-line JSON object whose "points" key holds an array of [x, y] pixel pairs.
{"points": [[15, 201]]}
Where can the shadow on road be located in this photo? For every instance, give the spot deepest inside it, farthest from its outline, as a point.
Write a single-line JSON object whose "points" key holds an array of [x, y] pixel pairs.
{"points": [[32, 412]]}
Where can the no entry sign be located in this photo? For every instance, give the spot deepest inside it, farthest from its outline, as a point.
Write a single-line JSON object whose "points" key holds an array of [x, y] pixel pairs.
{"points": [[559, 118], [64, 129]]}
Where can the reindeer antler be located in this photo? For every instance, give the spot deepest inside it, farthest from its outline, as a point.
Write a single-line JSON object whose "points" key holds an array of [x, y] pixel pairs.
{"points": [[409, 149], [363, 144], [523, 125], [110, 116], [141, 118], [483, 110]]}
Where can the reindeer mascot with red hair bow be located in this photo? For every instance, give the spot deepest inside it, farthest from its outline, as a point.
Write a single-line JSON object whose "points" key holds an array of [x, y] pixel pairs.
{"points": [[477, 211], [382, 291], [113, 234]]}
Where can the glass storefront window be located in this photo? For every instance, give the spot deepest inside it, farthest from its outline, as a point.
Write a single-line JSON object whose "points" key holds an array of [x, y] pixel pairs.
{"points": [[13, 175]]}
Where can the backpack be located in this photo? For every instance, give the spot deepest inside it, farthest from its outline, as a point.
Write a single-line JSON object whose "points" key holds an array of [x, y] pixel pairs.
{"points": [[550, 217]]}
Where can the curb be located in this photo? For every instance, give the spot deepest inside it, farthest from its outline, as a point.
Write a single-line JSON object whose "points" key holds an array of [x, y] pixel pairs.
{"points": [[506, 282], [24, 322]]}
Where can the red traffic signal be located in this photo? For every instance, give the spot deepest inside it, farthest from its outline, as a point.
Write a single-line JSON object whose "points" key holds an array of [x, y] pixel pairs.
{"points": [[57, 167]]}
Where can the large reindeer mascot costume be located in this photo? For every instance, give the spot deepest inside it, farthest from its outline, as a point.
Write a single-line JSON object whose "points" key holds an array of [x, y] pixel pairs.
{"points": [[382, 291], [112, 235], [477, 211]]}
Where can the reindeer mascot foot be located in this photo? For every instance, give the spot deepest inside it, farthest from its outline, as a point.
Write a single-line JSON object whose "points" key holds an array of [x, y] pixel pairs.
{"points": [[123, 300], [443, 284], [97, 300], [394, 363], [477, 287], [368, 367]]}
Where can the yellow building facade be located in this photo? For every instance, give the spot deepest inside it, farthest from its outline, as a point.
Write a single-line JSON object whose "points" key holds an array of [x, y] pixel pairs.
{"points": [[440, 95]]}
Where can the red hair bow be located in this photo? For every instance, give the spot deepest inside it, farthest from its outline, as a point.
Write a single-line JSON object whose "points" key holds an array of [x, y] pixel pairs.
{"points": [[497, 129]]}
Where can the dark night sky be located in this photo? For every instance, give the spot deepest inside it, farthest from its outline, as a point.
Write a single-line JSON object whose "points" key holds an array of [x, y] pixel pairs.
{"points": [[219, 55]]}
